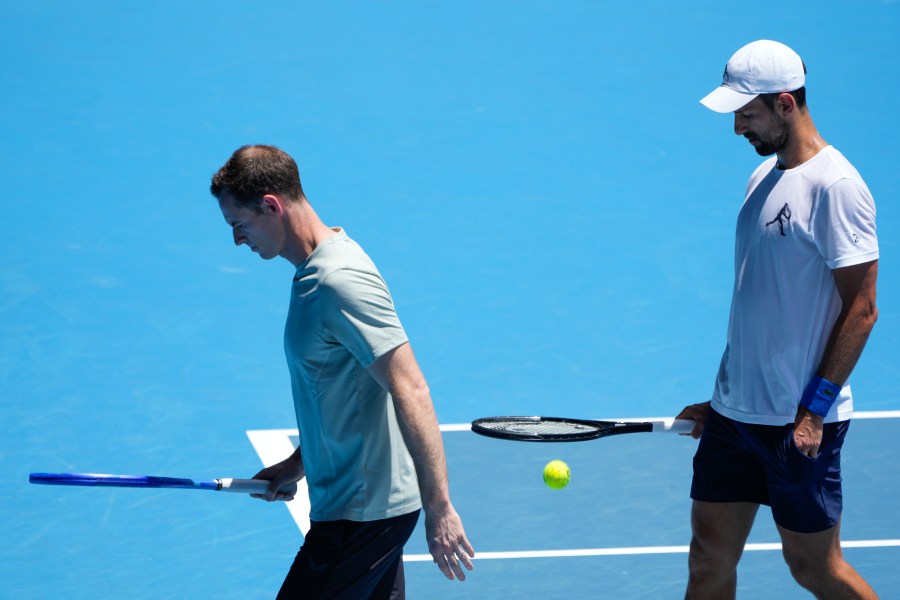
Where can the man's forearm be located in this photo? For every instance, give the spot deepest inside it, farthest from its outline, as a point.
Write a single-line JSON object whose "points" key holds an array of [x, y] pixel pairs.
{"points": [[845, 346], [856, 287], [421, 433]]}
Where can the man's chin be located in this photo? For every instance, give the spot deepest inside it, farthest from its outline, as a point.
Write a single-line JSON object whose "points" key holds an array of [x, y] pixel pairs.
{"points": [[257, 252], [764, 149]]}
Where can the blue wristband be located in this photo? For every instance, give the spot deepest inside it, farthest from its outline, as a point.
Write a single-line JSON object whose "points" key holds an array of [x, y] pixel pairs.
{"points": [[820, 395]]}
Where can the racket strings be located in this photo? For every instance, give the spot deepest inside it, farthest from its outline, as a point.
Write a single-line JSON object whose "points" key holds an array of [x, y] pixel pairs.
{"points": [[540, 427]]}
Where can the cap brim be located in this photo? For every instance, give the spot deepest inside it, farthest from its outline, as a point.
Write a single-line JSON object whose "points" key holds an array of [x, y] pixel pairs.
{"points": [[725, 100]]}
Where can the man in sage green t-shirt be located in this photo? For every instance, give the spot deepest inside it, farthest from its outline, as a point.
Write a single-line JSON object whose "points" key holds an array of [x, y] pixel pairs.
{"points": [[370, 446]]}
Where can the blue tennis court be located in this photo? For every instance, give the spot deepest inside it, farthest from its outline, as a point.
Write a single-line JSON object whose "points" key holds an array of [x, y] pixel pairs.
{"points": [[554, 213]]}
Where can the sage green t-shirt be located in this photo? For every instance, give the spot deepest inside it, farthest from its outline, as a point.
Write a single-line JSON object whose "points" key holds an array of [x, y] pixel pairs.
{"points": [[341, 319]]}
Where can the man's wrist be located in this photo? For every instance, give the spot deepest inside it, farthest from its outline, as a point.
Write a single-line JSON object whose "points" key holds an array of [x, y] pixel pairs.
{"points": [[804, 414], [820, 395]]}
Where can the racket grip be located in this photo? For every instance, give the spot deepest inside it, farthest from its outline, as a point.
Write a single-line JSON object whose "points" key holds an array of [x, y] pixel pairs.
{"points": [[673, 425], [242, 486], [251, 486]]}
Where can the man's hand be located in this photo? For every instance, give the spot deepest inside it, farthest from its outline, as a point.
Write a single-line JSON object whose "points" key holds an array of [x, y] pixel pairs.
{"points": [[696, 413], [282, 478], [808, 428], [448, 544]]}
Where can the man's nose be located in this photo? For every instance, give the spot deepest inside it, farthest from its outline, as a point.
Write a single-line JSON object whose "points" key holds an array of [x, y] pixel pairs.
{"points": [[740, 125], [239, 238]]}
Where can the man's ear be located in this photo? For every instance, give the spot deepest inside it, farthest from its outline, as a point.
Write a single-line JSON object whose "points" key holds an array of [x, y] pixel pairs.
{"points": [[785, 104], [272, 204]]}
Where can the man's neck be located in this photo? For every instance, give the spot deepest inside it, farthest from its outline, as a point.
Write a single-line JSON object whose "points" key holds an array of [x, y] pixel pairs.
{"points": [[804, 144], [305, 232]]}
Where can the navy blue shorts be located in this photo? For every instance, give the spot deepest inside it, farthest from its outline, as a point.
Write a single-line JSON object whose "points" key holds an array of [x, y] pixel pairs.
{"points": [[349, 560], [739, 462]]}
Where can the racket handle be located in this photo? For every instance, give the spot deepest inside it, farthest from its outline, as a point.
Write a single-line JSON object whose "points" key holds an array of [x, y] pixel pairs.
{"points": [[673, 425], [242, 486], [250, 486]]}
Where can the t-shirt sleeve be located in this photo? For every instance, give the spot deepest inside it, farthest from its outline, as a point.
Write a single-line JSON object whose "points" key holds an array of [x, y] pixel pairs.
{"points": [[844, 225], [361, 314]]}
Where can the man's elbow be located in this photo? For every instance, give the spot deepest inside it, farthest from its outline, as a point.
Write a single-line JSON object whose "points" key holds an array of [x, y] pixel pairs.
{"points": [[868, 316], [421, 391], [873, 316]]}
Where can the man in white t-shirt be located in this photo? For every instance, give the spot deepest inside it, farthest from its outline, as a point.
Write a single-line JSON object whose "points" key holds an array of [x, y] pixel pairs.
{"points": [[370, 446], [803, 305]]}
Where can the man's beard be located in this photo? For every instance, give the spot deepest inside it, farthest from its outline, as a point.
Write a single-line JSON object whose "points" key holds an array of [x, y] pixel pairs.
{"points": [[775, 139]]}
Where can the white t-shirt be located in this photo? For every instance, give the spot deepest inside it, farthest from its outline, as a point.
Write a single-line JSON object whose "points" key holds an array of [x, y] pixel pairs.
{"points": [[341, 319], [795, 227]]}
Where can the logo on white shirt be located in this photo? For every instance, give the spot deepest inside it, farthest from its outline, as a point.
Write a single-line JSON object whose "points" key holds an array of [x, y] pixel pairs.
{"points": [[783, 215]]}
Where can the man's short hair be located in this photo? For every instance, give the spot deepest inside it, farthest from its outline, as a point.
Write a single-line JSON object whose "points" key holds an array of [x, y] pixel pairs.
{"points": [[799, 97], [257, 170]]}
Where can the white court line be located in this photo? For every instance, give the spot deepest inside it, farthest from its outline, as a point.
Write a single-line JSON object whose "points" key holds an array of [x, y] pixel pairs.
{"points": [[274, 445], [877, 414], [636, 550]]}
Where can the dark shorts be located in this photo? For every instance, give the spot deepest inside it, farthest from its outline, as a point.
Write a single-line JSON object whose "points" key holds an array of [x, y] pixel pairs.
{"points": [[739, 462], [350, 560]]}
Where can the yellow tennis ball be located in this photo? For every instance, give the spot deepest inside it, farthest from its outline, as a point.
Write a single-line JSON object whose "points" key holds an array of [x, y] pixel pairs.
{"points": [[557, 474]]}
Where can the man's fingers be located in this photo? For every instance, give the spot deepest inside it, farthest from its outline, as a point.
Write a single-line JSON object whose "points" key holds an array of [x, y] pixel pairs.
{"points": [[809, 448], [696, 413], [443, 563], [450, 560], [470, 551], [697, 429], [450, 565], [463, 555], [277, 493], [466, 560], [453, 561]]}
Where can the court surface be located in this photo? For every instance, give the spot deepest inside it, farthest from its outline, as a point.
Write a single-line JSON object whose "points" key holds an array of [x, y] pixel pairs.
{"points": [[550, 205]]}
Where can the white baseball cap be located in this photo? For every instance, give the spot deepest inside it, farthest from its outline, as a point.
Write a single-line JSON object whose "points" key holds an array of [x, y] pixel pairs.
{"points": [[761, 67]]}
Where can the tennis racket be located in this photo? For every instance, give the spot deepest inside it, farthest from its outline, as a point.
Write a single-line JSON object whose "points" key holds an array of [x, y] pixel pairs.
{"points": [[244, 486], [554, 429]]}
